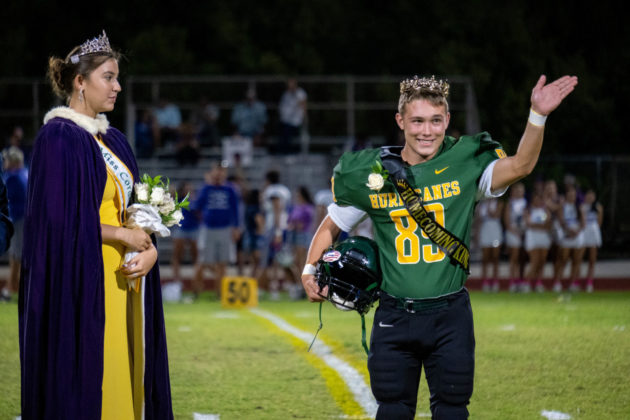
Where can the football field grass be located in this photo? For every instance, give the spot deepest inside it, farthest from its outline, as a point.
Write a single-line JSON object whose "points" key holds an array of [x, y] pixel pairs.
{"points": [[536, 354]]}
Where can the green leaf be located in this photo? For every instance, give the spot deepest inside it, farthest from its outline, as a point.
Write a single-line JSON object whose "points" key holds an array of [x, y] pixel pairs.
{"points": [[184, 203], [377, 168]]}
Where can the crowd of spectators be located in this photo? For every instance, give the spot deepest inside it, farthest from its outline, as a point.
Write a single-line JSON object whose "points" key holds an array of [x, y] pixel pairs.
{"points": [[166, 129], [14, 170], [261, 232]]}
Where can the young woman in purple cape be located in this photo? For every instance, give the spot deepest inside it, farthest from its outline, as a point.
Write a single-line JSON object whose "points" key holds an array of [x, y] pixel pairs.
{"points": [[90, 348]]}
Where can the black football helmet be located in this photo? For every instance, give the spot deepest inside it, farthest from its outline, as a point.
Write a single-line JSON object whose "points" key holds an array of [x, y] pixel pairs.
{"points": [[352, 272]]}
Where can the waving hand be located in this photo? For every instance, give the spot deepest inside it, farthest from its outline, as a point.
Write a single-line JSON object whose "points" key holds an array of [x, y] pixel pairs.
{"points": [[546, 98]]}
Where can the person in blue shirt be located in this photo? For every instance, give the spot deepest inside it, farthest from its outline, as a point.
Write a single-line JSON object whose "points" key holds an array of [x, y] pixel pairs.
{"points": [[6, 228], [217, 206], [186, 234], [15, 179], [250, 116]]}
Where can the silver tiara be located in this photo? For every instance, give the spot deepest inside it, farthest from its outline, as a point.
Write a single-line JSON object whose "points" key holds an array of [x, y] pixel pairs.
{"points": [[438, 87], [94, 45]]}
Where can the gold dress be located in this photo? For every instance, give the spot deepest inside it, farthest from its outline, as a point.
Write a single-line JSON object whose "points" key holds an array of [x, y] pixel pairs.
{"points": [[119, 379]]}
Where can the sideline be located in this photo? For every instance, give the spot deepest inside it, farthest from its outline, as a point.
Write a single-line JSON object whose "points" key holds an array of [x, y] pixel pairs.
{"points": [[352, 378]]}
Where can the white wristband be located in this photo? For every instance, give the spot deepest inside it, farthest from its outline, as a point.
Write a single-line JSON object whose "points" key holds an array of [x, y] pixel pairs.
{"points": [[309, 269], [536, 119]]}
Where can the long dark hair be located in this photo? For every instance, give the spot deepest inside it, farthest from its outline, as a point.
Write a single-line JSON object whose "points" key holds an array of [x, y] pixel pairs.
{"points": [[305, 194]]}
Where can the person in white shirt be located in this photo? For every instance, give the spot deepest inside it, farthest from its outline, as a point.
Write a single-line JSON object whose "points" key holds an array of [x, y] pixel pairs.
{"points": [[514, 230], [276, 199], [490, 241], [537, 239], [292, 109], [594, 213], [572, 220]]}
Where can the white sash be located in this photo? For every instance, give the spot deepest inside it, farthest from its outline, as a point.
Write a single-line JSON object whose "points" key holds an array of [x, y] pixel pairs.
{"points": [[122, 177]]}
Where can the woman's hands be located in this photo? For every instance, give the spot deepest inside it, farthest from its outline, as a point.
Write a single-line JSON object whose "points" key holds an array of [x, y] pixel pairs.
{"points": [[135, 239], [141, 264]]}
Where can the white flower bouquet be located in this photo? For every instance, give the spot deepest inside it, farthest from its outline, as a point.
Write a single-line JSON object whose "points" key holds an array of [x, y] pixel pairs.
{"points": [[154, 211]]}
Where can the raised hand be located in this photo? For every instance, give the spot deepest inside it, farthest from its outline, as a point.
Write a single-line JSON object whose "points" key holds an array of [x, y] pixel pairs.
{"points": [[546, 98]]}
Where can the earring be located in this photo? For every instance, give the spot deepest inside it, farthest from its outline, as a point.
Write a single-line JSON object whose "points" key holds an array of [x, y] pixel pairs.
{"points": [[81, 95]]}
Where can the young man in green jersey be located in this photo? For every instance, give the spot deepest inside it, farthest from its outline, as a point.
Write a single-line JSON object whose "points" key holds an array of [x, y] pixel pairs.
{"points": [[424, 317]]}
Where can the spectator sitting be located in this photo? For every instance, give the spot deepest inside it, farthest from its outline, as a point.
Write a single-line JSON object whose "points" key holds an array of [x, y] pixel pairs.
{"points": [[250, 117], [168, 118], [144, 129], [238, 147], [205, 121], [187, 149], [292, 109]]}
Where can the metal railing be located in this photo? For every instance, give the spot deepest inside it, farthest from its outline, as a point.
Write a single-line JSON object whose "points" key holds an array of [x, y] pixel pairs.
{"points": [[338, 106], [345, 96]]}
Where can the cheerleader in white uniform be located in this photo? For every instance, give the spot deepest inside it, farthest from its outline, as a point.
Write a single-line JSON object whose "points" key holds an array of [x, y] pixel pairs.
{"points": [[490, 240], [594, 214], [572, 243], [537, 239], [553, 202], [514, 229]]}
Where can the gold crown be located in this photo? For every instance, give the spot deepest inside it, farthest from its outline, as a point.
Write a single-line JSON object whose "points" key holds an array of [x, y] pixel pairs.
{"points": [[91, 46], [438, 87]]}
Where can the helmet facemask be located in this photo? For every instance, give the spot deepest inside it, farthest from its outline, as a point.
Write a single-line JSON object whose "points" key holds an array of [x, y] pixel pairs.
{"points": [[351, 272]]}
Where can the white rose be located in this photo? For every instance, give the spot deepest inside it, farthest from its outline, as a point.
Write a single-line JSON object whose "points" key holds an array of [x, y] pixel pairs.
{"points": [[177, 217], [168, 206], [157, 196], [142, 192], [375, 182]]}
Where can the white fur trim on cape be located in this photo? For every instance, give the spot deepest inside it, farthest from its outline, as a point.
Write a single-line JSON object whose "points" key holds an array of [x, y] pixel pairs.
{"points": [[92, 125]]}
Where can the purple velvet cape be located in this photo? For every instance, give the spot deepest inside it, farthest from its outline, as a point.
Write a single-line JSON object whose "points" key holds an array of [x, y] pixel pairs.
{"points": [[61, 301]]}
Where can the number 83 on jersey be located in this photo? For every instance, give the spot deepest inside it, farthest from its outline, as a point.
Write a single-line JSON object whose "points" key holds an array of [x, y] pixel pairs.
{"points": [[409, 248]]}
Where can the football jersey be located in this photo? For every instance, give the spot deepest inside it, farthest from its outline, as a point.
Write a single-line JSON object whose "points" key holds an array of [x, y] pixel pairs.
{"points": [[413, 266]]}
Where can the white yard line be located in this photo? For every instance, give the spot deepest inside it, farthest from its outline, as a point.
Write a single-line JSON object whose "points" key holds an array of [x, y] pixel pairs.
{"points": [[555, 415], [353, 379], [199, 416]]}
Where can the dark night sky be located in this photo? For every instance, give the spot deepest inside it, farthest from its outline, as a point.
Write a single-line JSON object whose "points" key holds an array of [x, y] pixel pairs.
{"points": [[504, 46]]}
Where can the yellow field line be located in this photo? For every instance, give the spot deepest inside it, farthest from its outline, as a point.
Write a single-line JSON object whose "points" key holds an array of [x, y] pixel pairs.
{"points": [[344, 387]]}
